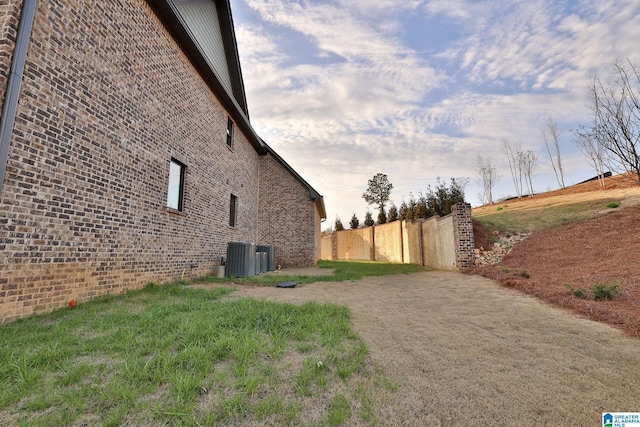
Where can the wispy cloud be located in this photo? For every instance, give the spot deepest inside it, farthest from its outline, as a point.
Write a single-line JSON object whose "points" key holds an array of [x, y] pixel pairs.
{"points": [[344, 89], [376, 83]]}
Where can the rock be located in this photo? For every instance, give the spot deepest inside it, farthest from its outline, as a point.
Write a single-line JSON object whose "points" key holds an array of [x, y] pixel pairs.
{"points": [[498, 250]]}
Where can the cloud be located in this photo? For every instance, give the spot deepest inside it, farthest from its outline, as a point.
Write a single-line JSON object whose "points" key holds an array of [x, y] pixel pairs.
{"points": [[459, 9], [541, 45], [327, 101], [347, 88]]}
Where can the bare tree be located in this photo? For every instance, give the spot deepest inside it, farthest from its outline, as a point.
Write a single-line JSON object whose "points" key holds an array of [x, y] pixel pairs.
{"points": [[512, 149], [488, 176], [616, 110], [551, 136], [527, 163], [586, 140]]}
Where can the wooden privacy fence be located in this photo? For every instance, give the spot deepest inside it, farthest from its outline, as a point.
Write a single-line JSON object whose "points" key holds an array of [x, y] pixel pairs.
{"points": [[444, 243]]}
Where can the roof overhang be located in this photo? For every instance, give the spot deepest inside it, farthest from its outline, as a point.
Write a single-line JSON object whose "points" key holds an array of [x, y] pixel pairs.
{"points": [[313, 194], [235, 103]]}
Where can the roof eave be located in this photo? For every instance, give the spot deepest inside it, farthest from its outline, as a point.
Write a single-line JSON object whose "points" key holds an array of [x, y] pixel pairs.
{"points": [[313, 194], [239, 113]]}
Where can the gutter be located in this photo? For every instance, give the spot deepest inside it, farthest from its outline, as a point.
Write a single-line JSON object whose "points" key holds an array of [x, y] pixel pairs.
{"points": [[10, 107]]}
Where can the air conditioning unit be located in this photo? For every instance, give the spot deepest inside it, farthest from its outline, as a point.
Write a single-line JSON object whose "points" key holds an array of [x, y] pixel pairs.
{"points": [[241, 259], [261, 260], [271, 255], [257, 265]]}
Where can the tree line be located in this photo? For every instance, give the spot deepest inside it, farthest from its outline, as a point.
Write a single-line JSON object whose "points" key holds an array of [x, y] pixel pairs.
{"points": [[610, 141], [435, 201]]}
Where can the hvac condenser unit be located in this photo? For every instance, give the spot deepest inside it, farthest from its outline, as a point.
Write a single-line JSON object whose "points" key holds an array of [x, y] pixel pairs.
{"points": [[261, 261], [271, 255], [257, 265], [241, 259]]}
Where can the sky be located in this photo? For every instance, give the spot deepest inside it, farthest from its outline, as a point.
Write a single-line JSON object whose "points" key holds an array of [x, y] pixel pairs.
{"points": [[416, 89]]}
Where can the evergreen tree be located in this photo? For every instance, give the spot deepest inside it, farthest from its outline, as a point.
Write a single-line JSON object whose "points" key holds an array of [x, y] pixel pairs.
{"points": [[355, 222], [368, 219], [403, 212], [382, 217], [338, 226], [434, 202], [393, 213], [378, 192]]}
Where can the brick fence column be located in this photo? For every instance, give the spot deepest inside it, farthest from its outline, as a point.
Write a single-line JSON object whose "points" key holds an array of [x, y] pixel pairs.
{"points": [[463, 235], [334, 245]]}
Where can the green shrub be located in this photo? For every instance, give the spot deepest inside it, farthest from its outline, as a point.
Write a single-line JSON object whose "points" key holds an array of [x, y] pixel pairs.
{"points": [[605, 291], [578, 293], [613, 205]]}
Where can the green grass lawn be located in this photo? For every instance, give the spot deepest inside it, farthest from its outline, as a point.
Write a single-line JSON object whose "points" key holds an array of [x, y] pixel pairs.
{"points": [[342, 270], [523, 221], [176, 355]]}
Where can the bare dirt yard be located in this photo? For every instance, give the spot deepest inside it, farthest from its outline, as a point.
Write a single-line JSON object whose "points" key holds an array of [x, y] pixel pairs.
{"points": [[465, 351], [508, 349], [603, 250]]}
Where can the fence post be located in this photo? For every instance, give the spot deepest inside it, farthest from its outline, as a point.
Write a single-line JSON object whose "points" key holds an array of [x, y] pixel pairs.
{"points": [[373, 242], [421, 243], [463, 235], [334, 245], [401, 243]]}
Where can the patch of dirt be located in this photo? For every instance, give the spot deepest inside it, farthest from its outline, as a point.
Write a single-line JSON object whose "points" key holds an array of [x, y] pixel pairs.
{"points": [[464, 351], [481, 236], [578, 256], [601, 250]]}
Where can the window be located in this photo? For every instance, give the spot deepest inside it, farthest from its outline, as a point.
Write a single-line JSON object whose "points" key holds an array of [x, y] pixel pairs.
{"points": [[229, 132], [175, 192], [233, 206]]}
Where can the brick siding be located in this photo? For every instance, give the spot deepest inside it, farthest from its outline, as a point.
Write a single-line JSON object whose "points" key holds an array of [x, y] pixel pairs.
{"points": [[463, 234], [107, 100], [9, 18], [288, 218]]}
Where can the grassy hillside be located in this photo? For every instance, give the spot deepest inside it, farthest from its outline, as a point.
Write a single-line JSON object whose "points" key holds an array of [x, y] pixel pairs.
{"points": [[584, 242], [523, 220], [559, 207]]}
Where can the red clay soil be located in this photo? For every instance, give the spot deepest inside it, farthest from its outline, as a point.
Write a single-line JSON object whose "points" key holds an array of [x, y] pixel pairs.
{"points": [[601, 250], [481, 236]]}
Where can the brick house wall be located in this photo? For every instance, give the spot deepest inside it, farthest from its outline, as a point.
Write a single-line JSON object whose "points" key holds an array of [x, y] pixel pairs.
{"points": [[289, 219], [9, 17], [107, 101]]}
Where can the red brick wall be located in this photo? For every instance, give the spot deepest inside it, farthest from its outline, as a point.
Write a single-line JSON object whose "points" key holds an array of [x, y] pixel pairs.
{"points": [[288, 217], [107, 100]]}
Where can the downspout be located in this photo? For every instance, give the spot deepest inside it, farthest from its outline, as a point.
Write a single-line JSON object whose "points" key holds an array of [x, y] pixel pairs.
{"points": [[14, 82], [258, 235]]}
